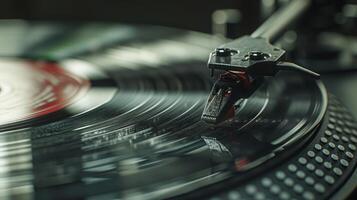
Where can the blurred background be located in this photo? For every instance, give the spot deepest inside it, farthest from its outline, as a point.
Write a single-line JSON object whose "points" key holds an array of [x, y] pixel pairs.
{"points": [[186, 14], [241, 17], [207, 16]]}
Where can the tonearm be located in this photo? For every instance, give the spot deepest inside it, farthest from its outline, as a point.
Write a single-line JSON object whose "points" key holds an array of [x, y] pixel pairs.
{"points": [[245, 62]]}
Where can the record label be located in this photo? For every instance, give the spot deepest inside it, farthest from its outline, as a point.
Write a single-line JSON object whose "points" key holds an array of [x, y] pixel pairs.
{"points": [[33, 89]]}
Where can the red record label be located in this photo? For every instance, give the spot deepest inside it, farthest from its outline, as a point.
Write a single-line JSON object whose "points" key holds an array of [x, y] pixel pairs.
{"points": [[33, 89]]}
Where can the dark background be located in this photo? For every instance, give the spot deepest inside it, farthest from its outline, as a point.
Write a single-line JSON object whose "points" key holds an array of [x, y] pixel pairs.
{"points": [[186, 14]]}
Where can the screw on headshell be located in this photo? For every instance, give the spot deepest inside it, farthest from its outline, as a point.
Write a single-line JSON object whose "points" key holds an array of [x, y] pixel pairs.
{"points": [[258, 55], [224, 53]]}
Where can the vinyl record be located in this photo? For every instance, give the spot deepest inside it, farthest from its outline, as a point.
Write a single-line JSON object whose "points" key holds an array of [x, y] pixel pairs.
{"points": [[113, 111]]}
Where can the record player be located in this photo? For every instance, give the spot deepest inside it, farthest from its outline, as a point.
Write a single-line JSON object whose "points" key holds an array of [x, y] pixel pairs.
{"points": [[119, 111]]}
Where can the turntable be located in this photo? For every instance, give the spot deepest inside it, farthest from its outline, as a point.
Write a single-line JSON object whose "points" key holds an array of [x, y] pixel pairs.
{"points": [[110, 111]]}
